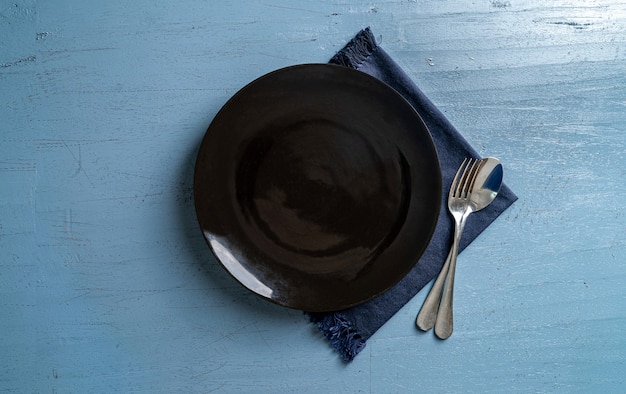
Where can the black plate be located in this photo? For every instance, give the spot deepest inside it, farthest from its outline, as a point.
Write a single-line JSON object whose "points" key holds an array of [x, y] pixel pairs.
{"points": [[317, 187]]}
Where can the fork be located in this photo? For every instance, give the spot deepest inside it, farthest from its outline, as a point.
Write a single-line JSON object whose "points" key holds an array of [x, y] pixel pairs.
{"points": [[433, 312]]}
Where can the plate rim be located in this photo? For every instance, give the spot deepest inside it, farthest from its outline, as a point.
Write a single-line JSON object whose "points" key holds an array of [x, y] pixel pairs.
{"points": [[438, 180]]}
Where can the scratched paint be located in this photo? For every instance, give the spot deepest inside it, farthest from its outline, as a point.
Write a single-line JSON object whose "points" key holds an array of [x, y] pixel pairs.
{"points": [[106, 283]]}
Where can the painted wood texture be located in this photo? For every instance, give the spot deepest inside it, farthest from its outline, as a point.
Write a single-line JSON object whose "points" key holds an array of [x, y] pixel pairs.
{"points": [[106, 284]]}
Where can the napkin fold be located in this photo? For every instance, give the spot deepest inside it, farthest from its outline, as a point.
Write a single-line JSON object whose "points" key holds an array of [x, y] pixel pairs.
{"points": [[349, 329]]}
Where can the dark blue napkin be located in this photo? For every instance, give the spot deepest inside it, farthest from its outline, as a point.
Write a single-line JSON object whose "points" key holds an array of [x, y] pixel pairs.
{"points": [[349, 329]]}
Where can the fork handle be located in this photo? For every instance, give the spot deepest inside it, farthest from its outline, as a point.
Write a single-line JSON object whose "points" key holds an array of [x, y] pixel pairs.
{"points": [[428, 314], [444, 324]]}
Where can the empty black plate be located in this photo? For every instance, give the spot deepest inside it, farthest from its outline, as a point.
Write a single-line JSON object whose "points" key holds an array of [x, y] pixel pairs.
{"points": [[317, 187]]}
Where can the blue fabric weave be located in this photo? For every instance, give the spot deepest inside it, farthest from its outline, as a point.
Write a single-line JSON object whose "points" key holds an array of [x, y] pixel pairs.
{"points": [[348, 330]]}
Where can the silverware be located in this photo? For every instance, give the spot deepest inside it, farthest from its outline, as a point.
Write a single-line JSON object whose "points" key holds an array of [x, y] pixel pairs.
{"points": [[475, 185]]}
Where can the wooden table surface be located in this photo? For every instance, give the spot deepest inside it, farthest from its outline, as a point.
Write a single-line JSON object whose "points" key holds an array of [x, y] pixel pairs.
{"points": [[106, 284]]}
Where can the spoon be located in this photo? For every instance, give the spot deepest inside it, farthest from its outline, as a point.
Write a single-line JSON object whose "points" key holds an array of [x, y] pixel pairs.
{"points": [[483, 191]]}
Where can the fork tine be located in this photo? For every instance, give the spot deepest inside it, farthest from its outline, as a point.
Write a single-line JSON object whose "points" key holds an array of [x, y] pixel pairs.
{"points": [[460, 187], [479, 165], [458, 177], [468, 178], [464, 178]]}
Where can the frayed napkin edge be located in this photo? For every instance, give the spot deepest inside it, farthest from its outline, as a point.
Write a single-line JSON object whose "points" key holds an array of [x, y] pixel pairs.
{"points": [[343, 337], [357, 50]]}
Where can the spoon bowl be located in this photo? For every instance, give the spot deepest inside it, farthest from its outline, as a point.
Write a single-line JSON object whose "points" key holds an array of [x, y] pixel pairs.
{"points": [[487, 183]]}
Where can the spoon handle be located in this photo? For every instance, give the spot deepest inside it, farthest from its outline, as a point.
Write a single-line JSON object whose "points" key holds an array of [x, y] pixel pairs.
{"points": [[444, 324], [428, 314]]}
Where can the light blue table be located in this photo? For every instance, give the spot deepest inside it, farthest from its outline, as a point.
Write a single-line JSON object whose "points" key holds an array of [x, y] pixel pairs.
{"points": [[106, 284]]}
